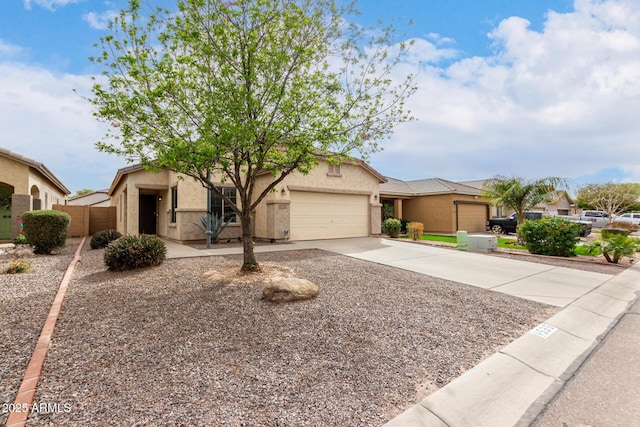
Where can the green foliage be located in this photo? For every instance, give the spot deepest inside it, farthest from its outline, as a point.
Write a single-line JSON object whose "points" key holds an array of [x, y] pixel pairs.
{"points": [[20, 240], [387, 211], [46, 230], [102, 238], [131, 252], [404, 226], [216, 225], [615, 246], [607, 233], [18, 266], [262, 87], [83, 192], [551, 236], [520, 194], [392, 227]]}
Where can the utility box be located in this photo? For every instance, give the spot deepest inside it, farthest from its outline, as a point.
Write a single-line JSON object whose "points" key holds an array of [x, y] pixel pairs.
{"points": [[482, 243], [461, 240]]}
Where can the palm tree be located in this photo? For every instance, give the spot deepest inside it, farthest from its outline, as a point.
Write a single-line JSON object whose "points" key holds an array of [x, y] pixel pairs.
{"points": [[520, 194]]}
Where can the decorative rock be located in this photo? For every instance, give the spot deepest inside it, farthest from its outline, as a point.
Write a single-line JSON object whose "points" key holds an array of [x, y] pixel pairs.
{"points": [[289, 289]]}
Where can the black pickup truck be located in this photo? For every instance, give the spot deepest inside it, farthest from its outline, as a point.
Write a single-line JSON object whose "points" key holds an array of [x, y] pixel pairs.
{"points": [[508, 225]]}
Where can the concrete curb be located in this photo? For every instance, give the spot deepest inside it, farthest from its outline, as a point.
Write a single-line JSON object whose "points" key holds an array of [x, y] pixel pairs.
{"points": [[513, 387], [27, 390]]}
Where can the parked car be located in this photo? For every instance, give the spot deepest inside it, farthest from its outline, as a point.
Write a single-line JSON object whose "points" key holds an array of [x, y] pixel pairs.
{"points": [[633, 217], [601, 219], [509, 224]]}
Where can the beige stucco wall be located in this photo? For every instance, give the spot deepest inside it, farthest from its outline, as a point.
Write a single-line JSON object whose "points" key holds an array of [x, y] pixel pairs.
{"points": [[23, 178], [49, 194], [436, 212], [15, 174], [192, 204], [272, 214]]}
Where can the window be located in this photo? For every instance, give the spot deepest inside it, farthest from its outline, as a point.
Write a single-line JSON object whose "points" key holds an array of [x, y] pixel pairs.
{"points": [[334, 170], [174, 203], [220, 208]]}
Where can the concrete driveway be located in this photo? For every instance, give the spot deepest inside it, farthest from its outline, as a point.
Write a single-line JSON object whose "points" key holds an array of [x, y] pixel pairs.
{"points": [[548, 284]]}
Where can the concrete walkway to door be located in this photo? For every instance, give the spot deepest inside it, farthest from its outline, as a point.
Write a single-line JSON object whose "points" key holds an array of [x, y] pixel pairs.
{"points": [[544, 283]]}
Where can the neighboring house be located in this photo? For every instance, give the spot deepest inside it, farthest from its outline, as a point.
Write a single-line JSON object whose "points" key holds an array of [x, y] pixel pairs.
{"points": [[332, 201], [98, 198], [441, 206], [25, 185]]}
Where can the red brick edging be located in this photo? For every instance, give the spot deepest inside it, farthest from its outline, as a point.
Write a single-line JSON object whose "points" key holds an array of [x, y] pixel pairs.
{"points": [[27, 390]]}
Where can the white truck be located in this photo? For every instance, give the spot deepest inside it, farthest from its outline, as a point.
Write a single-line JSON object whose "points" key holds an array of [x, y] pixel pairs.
{"points": [[601, 219]]}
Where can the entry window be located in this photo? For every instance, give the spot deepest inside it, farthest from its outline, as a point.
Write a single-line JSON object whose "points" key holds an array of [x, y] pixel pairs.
{"points": [[219, 206], [174, 203]]}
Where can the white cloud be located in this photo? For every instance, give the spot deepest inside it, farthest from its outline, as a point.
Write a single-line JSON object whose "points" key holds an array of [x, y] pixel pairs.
{"points": [[48, 4], [43, 119], [9, 50], [99, 21], [560, 102]]}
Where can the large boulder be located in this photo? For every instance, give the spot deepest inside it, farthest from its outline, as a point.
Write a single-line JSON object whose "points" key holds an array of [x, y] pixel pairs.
{"points": [[287, 289]]}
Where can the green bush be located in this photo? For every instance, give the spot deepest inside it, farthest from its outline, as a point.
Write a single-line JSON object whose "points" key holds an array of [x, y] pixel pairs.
{"points": [[130, 252], [20, 240], [615, 247], [102, 238], [392, 227], [18, 266], [404, 226], [46, 230], [551, 236], [607, 233]]}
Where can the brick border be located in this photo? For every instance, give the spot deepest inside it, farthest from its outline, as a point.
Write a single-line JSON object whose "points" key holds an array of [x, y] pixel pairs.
{"points": [[27, 390]]}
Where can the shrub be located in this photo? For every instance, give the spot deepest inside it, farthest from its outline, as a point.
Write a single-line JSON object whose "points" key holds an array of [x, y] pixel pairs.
{"points": [[551, 236], [623, 225], [416, 230], [20, 240], [606, 233], [18, 266], [216, 225], [102, 238], [615, 247], [404, 226], [46, 230], [130, 252], [392, 227]]}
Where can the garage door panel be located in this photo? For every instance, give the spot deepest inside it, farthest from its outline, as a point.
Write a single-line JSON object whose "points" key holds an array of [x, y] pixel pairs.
{"points": [[472, 218], [327, 215]]}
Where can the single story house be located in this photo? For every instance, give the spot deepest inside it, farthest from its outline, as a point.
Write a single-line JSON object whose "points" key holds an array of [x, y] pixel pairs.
{"points": [[441, 206], [25, 185], [99, 198], [332, 201]]}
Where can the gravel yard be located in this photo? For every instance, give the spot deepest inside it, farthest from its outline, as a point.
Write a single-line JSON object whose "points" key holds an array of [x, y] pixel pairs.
{"points": [[25, 300], [167, 346]]}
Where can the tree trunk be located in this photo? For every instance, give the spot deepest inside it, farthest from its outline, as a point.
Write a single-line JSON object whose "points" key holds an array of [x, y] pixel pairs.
{"points": [[249, 263]]}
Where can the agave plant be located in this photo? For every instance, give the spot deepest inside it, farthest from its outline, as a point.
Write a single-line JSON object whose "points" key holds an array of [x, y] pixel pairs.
{"points": [[213, 227]]}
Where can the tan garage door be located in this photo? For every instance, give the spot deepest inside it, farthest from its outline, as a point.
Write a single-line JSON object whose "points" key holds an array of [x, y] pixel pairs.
{"points": [[328, 216], [472, 218]]}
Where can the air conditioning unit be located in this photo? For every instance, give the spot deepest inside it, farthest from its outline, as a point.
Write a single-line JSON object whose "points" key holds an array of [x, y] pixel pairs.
{"points": [[482, 242]]}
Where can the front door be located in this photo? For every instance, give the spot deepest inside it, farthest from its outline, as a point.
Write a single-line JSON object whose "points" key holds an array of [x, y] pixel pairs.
{"points": [[147, 214], [5, 224], [5, 211]]}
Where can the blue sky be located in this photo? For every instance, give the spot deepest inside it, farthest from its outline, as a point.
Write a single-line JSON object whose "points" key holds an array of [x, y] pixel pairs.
{"points": [[531, 88]]}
